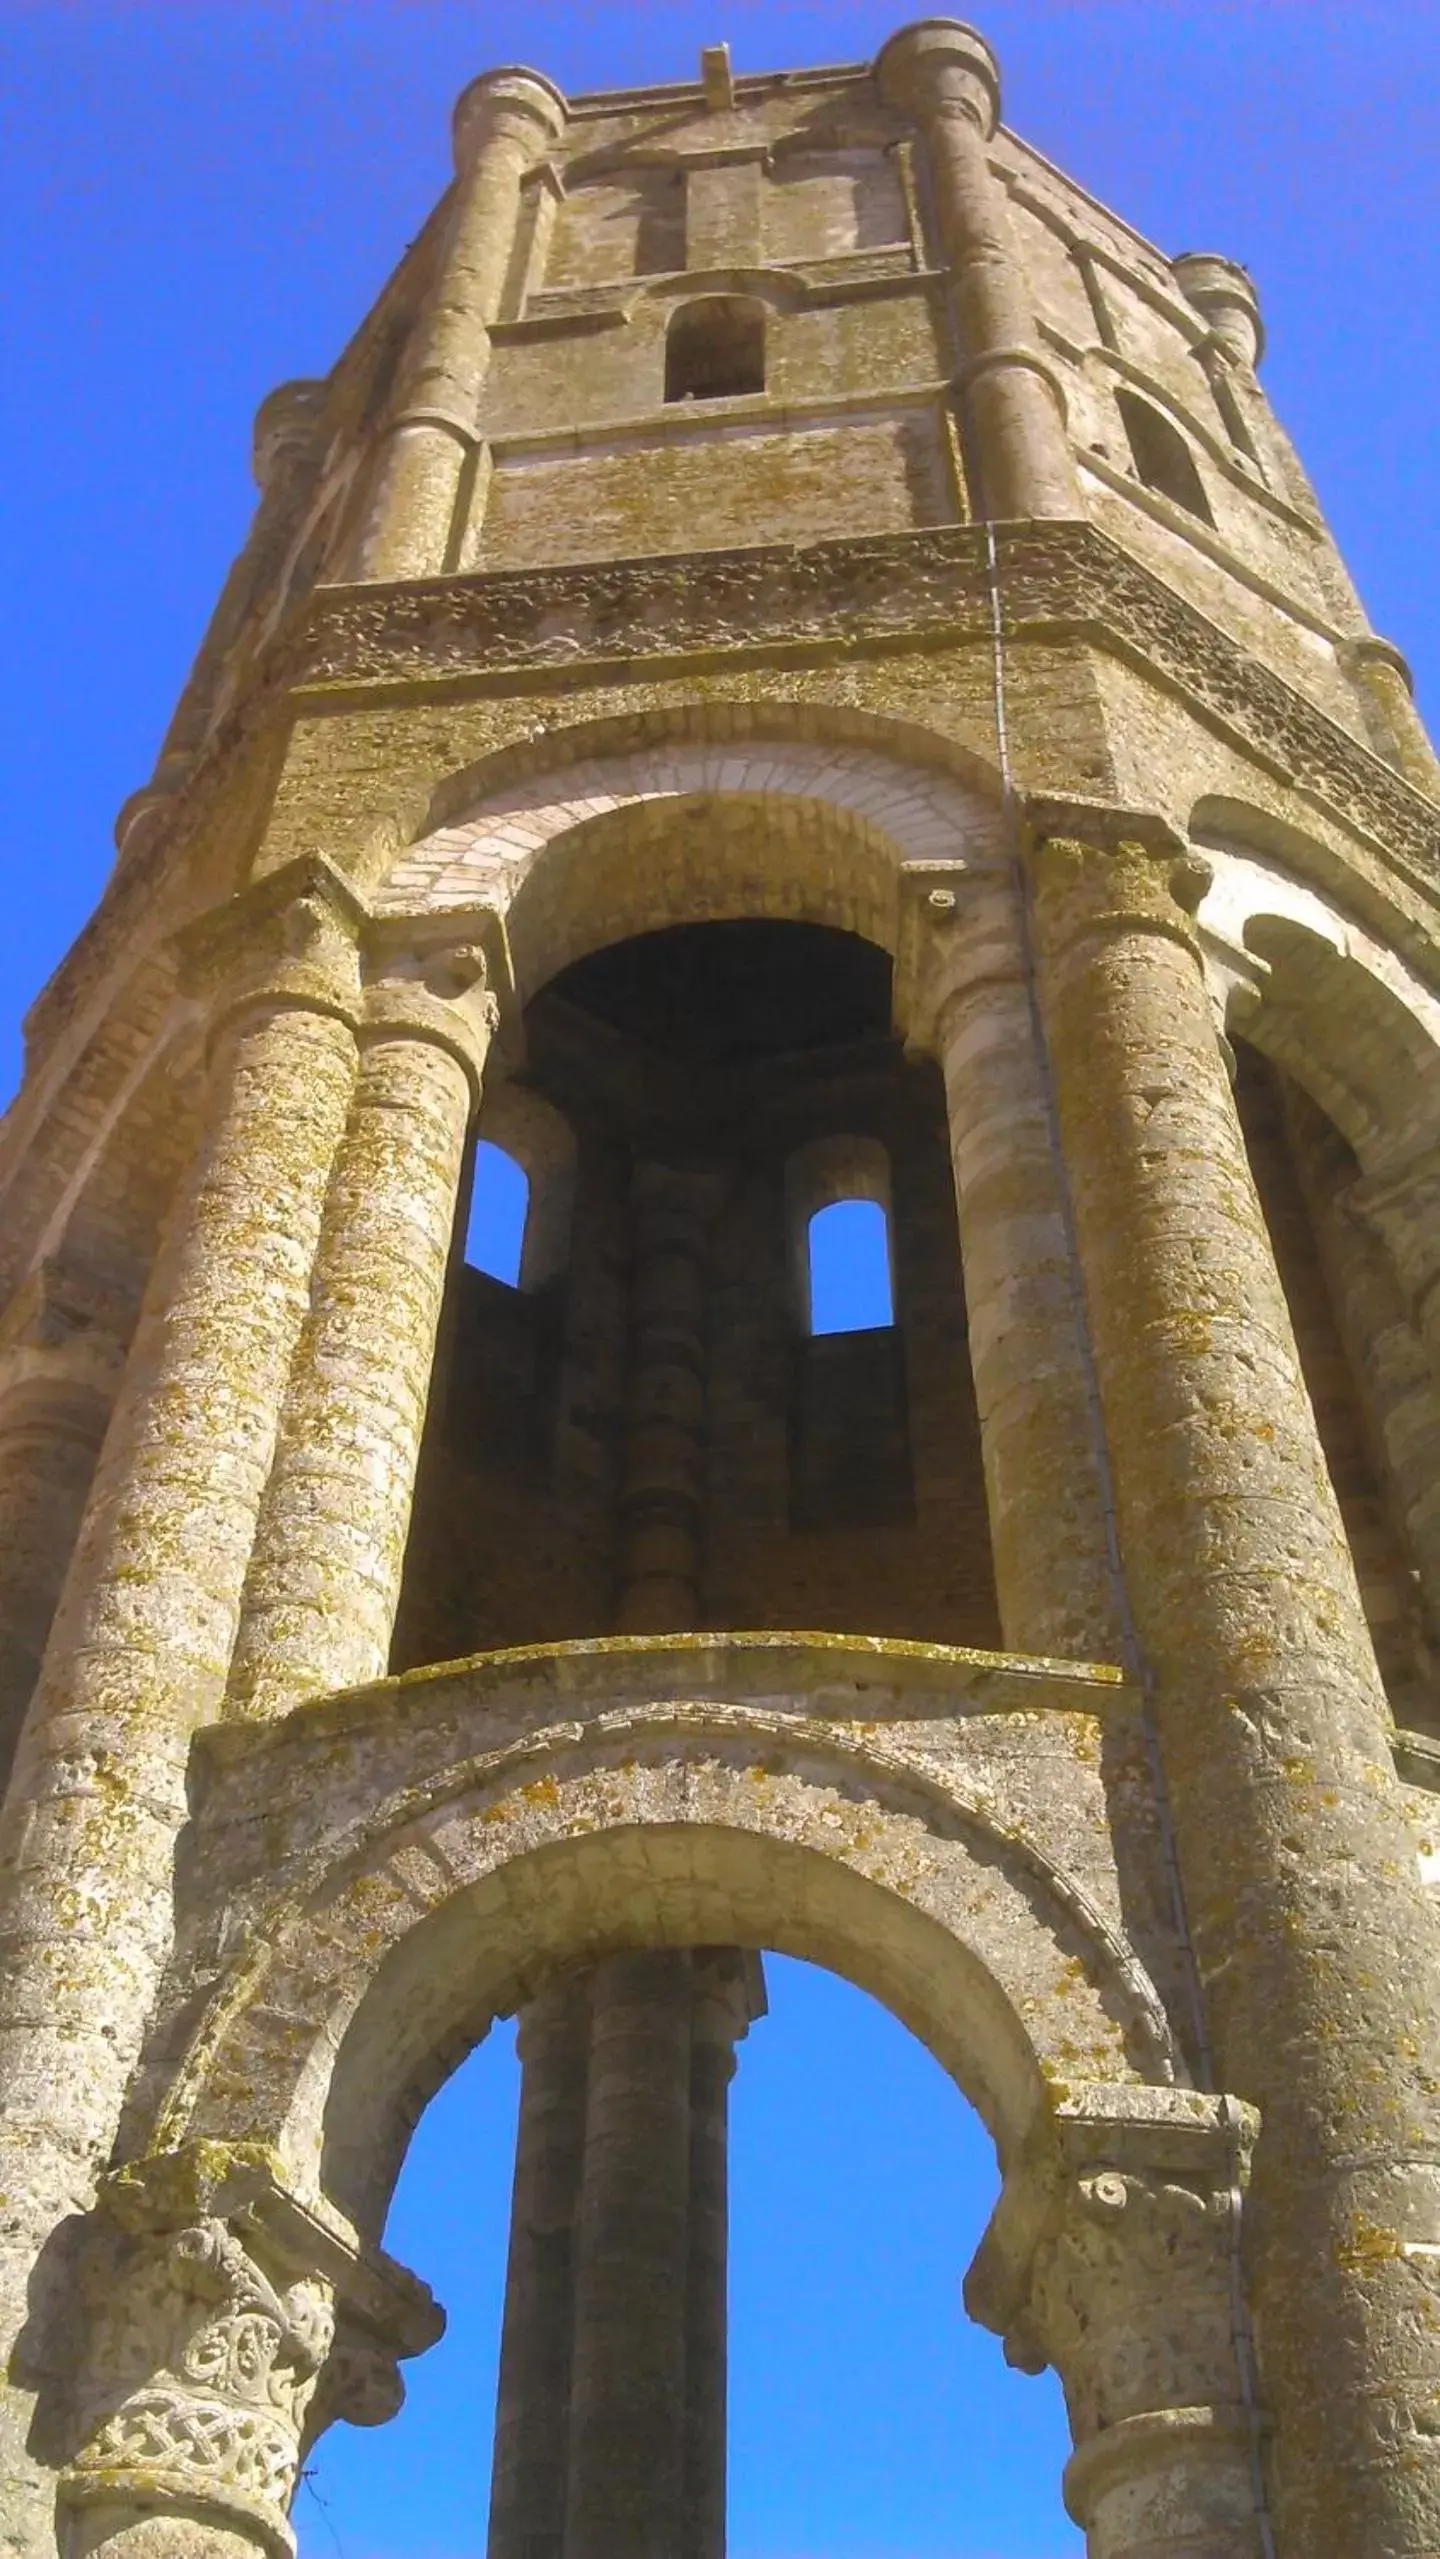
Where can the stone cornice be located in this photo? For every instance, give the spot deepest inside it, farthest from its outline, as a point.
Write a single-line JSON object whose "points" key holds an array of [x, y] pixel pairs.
{"points": [[525, 629], [908, 590]]}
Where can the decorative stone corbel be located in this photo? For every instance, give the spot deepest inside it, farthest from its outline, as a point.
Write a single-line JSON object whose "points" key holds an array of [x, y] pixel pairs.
{"points": [[1112, 2255], [227, 2321]]}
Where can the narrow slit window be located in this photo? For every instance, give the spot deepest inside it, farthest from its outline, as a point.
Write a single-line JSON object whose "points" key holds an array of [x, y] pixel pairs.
{"points": [[1163, 460], [499, 1209], [715, 348], [849, 1255]]}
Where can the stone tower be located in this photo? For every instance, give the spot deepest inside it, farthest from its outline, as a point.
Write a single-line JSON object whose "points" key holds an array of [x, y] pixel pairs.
{"points": [[790, 660]]}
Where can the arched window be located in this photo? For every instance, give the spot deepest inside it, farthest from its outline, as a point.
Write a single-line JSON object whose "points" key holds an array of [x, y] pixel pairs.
{"points": [[1162, 458], [499, 1210], [838, 1202], [715, 348], [524, 1189], [849, 1256]]}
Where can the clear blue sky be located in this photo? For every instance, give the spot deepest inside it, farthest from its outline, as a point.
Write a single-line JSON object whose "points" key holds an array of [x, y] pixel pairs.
{"points": [[200, 198]]}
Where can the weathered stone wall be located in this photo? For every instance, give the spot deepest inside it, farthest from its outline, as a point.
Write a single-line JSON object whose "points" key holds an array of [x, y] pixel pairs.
{"points": [[521, 661]]}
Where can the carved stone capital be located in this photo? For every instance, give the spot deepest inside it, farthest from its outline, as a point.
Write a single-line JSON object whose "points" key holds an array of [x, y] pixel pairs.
{"points": [[62, 1331], [445, 979], [1113, 2256], [1097, 867], [289, 940], [961, 932], [217, 2302], [729, 1994]]}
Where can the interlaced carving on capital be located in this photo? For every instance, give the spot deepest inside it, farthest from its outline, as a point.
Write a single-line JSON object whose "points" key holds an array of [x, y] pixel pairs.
{"points": [[212, 2318], [291, 939], [201, 2370]]}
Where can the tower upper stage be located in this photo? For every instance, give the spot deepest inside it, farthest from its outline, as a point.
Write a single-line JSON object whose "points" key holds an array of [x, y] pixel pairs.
{"points": [[786, 308]]}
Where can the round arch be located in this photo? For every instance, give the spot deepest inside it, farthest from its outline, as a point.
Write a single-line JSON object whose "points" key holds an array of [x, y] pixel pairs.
{"points": [[1321, 994], [656, 1793], [607, 841]]}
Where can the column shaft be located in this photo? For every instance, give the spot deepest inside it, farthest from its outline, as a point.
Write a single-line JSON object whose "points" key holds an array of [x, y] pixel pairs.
{"points": [[284, 465], [1038, 1432], [139, 1651], [1012, 405], [663, 1493], [1382, 680], [50, 1435], [724, 1986], [1300, 1876], [627, 2402], [324, 1578], [502, 124], [527, 2497]]}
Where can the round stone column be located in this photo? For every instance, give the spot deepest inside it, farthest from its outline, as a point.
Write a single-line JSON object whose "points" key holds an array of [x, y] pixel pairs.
{"points": [[1314, 1940], [503, 123], [965, 993], [663, 1491], [324, 1579], [945, 76], [141, 1642], [627, 2393], [1381, 676], [285, 454], [728, 1993], [58, 1374], [527, 2495]]}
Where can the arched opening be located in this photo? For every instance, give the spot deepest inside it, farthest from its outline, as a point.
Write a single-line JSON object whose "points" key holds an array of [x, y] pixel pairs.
{"points": [[499, 1214], [722, 1085], [1363, 1366], [866, 2412], [1161, 455], [848, 1248], [839, 1203], [715, 348]]}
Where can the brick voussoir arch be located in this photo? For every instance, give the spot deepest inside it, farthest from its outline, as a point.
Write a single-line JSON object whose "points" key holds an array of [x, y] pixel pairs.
{"points": [[1322, 991], [884, 806], [891, 1852]]}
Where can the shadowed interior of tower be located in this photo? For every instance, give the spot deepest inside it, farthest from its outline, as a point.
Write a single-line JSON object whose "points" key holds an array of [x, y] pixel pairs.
{"points": [[692, 1101]]}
